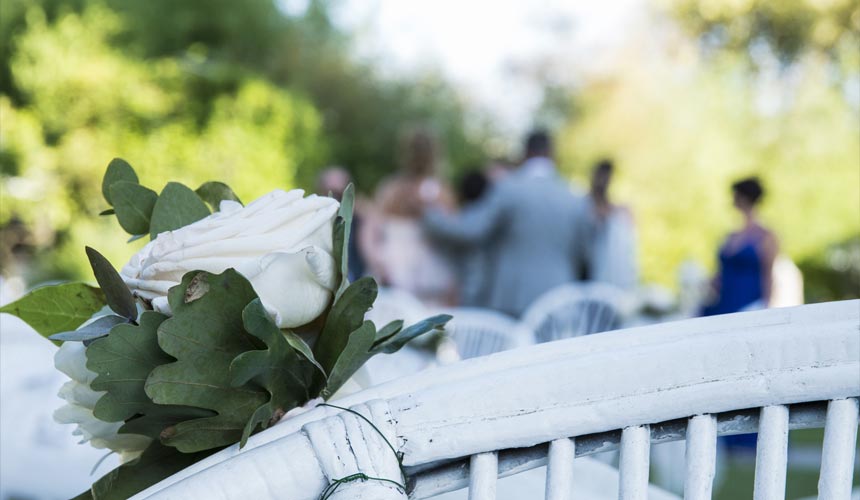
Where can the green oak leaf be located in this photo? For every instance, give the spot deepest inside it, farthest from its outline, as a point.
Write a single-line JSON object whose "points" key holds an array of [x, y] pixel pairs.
{"points": [[133, 205], [392, 343], [117, 170], [156, 463], [205, 335], [354, 355], [57, 308], [122, 361], [281, 369], [96, 329], [177, 206], [117, 294], [214, 193], [342, 229], [346, 316]]}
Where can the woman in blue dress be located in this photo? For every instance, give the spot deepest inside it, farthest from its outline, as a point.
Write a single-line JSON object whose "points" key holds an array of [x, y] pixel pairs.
{"points": [[743, 281]]}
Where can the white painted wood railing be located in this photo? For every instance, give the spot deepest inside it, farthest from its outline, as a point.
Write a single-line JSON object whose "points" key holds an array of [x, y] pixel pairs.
{"points": [[466, 424]]}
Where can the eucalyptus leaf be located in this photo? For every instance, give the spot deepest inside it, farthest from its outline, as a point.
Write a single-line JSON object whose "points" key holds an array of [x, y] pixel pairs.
{"points": [[177, 206], [156, 463], [342, 230], [354, 355], [280, 369], [117, 294], [133, 205], [122, 361], [205, 335], [345, 316], [91, 331], [215, 192], [388, 331], [394, 342], [117, 170], [57, 308]]}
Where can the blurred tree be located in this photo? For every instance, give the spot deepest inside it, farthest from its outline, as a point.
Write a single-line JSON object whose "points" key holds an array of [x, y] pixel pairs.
{"points": [[190, 90], [99, 103], [363, 113], [788, 27]]}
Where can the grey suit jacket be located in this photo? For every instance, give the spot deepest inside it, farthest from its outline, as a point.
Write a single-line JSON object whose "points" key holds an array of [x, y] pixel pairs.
{"points": [[531, 227]]}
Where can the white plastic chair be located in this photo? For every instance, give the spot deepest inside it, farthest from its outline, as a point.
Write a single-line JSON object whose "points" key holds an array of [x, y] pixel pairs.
{"points": [[478, 332], [575, 309]]}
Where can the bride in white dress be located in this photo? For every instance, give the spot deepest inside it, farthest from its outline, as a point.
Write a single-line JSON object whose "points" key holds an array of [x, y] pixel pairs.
{"points": [[399, 254], [611, 233]]}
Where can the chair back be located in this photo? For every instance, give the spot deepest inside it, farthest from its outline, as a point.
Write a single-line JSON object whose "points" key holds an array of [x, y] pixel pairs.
{"points": [[575, 309], [478, 332]]}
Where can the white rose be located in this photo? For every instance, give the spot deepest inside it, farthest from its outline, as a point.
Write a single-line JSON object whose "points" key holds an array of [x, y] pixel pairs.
{"points": [[80, 399], [281, 242]]}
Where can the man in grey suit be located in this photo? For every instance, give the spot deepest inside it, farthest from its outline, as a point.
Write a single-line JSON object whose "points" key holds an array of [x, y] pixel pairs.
{"points": [[531, 223]]}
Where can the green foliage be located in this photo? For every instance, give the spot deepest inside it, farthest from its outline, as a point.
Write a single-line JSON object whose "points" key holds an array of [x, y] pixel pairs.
{"points": [[123, 360], [789, 27], [340, 239], [67, 120], [133, 206], [91, 331], [117, 294], [280, 369], [393, 337], [833, 274], [205, 335], [57, 308], [354, 353], [214, 193], [117, 170], [177, 206], [346, 316]]}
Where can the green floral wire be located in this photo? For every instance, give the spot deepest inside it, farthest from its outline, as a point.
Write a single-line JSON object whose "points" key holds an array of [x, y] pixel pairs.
{"points": [[360, 476]]}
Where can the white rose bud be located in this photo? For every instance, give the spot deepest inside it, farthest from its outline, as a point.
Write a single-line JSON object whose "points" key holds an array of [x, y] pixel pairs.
{"points": [[281, 242], [80, 399]]}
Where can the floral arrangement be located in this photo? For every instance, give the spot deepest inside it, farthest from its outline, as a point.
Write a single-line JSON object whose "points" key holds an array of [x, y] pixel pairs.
{"points": [[221, 324]]}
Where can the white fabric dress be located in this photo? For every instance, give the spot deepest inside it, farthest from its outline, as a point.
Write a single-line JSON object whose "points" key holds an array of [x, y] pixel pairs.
{"points": [[613, 248]]}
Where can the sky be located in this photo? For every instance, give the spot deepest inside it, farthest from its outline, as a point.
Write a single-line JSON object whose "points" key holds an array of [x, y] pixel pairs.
{"points": [[491, 50]]}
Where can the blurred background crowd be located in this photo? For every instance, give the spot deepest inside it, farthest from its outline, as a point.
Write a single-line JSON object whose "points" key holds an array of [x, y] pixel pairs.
{"points": [[699, 156]]}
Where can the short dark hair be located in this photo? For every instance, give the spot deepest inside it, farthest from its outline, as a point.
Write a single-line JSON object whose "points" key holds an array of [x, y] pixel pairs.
{"points": [[750, 188], [538, 143], [604, 166], [472, 186]]}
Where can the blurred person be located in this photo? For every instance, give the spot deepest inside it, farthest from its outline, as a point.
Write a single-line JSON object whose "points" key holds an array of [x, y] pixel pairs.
{"points": [[744, 278], [333, 181], [610, 232], [473, 259], [400, 255], [530, 219]]}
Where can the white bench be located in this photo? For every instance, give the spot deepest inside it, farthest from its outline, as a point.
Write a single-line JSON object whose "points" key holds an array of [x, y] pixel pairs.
{"points": [[468, 423]]}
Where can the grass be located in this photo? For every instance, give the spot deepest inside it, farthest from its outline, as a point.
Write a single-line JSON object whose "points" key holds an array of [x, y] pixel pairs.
{"points": [[801, 480]]}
